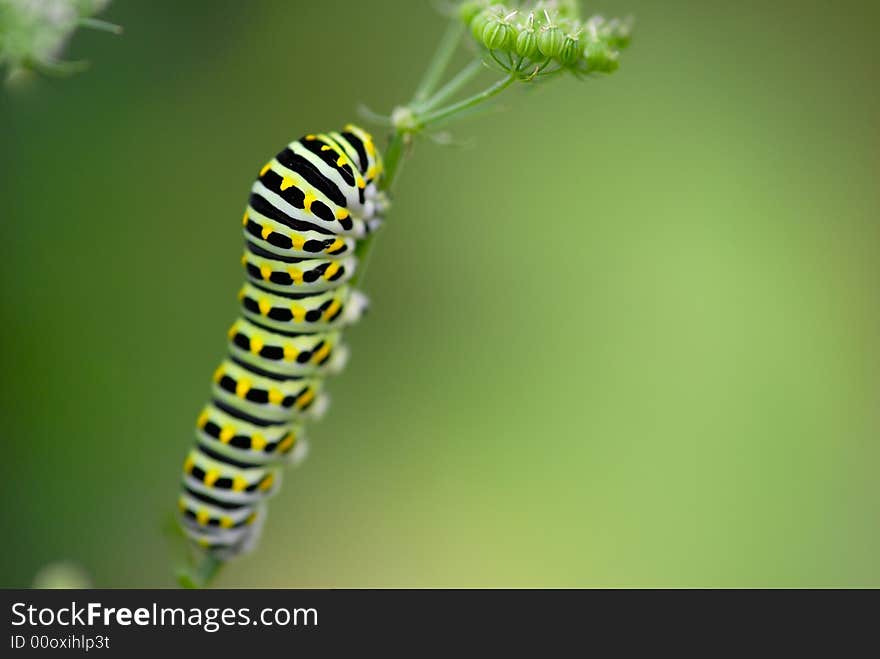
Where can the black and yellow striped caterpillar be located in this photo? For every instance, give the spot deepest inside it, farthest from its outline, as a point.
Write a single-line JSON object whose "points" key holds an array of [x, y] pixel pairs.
{"points": [[307, 210]]}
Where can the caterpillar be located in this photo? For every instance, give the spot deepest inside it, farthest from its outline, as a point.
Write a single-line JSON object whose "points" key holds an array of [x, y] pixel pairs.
{"points": [[307, 210]]}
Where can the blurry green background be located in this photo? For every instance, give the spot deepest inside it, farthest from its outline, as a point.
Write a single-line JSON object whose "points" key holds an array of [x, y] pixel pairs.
{"points": [[628, 338]]}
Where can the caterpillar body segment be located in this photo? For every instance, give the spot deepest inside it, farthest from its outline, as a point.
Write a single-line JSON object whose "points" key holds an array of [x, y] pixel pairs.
{"points": [[301, 354], [225, 434], [302, 314], [279, 239], [297, 276]]}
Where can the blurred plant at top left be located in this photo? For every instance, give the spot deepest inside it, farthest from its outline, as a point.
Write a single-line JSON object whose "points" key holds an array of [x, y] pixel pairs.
{"points": [[34, 33]]}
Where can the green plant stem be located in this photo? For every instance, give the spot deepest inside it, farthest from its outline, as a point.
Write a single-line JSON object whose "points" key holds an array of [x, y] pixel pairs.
{"points": [[98, 24], [57, 68], [394, 154], [463, 77], [444, 53], [209, 569], [203, 572], [393, 160], [467, 103]]}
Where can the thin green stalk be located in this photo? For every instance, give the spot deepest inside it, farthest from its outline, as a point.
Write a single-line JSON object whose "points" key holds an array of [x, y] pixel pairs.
{"points": [[476, 99], [394, 155], [56, 68], [202, 574], [501, 65], [444, 53], [462, 78], [393, 161], [98, 24]]}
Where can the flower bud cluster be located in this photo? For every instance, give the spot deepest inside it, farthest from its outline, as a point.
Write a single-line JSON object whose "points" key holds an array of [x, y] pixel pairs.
{"points": [[533, 35]]}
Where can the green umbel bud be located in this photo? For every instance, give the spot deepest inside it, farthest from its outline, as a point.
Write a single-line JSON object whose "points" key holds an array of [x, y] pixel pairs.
{"points": [[550, 41], [570, 51], [479, 21], [526, 43], [498, 34], [601, 58]]}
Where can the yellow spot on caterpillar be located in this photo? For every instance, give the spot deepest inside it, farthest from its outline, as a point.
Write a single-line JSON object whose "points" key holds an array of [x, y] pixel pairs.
{"points": [[244, 259], [265, 272], [326, 147], [238, 484], [232, 330], [188, 464], [298, 242], [227, 433], [306, 398], [267, 482], [275, 396], [337, 244], [264, 306], [370, 147], [286, 443], [331, 270], [266, 168], [181, 504], [244, 219], [203, 516], [295, 274], [290, 353], [250, 518], [371, 172], [332, 309], [211, 477], [341, 161], [341, 214], [308, 200], [203, 419], [319, 355], [266, 232], [299, 314], [241, 294], [242, 387], [287, 182], [218, 373], [226, 522], [258, 442], [361, 183], [311, 137], [256, 344]]}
